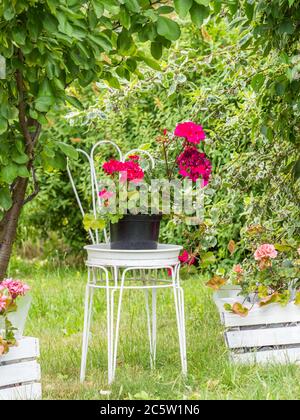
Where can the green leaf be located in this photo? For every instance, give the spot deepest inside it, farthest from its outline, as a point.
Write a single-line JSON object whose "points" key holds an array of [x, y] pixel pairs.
{"points": [[91, 222], [249, 10], [203, 2], [3, 125], [207, 259], [257, 82], [199, 13], [165, 10], [168, 28], [297, 299], [9, 13], [68, 150], [44, 103], [113, 82], [5, 198], [23, 171], [19, 36], [124, 16], [283, 247], [156, 50], [291, 2], [182, 7], [280, 88], [296, 170], [98, 7], [20, 158], [102, 41], [286, 27], [125, 43], [132, 5], [9, 173], [151, 63], [74, 102]]}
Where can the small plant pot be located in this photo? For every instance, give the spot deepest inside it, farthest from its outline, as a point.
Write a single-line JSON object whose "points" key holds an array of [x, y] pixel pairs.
{"points": [[18, 318], [139, 231]]}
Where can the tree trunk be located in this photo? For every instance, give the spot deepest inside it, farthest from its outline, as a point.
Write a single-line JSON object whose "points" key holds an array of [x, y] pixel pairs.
{"points": [[9, 231]]}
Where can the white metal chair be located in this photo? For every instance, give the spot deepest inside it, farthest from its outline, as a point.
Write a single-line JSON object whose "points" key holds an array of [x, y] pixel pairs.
{"points": [[108, 269]]}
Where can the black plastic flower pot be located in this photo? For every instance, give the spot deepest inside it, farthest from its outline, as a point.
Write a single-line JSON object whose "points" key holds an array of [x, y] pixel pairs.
{"points": [[139, 231]]}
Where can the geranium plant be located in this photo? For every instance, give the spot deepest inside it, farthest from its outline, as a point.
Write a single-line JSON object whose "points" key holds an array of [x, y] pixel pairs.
{"points": [[177, 158], [271, 275], [10, 292]]}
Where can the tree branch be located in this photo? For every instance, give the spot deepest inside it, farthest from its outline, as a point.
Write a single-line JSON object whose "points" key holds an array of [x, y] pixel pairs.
{"points": [[36, 187]]}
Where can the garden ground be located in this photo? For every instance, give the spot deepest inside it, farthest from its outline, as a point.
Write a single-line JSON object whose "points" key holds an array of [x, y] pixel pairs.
{"points": [[56, 317]]}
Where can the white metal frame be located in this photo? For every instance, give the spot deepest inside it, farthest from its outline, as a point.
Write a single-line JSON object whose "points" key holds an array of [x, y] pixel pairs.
{"points": [[140, 272], [96, 202], [113, 322]]}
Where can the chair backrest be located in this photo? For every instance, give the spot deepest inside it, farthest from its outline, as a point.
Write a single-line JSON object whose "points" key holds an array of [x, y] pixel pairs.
{"points": [[96, 202]]}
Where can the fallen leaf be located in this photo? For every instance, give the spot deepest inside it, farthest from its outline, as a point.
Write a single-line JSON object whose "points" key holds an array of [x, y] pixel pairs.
{"points": [[216, 282], [239, 309], [270, 299]]}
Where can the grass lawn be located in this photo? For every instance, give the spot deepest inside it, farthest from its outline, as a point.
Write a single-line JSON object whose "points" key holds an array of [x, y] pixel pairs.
{"points": [[56, 317]]}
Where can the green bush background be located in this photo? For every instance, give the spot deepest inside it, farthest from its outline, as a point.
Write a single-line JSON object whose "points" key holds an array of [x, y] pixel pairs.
{"points": [[212, 78]]}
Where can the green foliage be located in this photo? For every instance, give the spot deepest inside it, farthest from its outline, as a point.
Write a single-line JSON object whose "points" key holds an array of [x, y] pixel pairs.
{"points": [[46, 46], [207, 79]]}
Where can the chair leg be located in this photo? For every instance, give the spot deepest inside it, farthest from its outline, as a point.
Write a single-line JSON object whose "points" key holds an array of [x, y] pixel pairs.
{"points": [[88, 307], [154, 329], [151, 325], [113, 335], [183, 330], [180, 316]]}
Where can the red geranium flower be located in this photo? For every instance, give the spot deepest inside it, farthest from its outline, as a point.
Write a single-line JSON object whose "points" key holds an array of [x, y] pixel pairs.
{"points": [[194, 164], [186, 258], [130, 170]]}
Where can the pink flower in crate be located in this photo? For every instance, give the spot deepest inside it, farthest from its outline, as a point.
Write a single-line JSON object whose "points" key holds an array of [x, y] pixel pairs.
{"points": [[238, 269], [265, 251], [192, 132], [15, 287], [3, 302]]}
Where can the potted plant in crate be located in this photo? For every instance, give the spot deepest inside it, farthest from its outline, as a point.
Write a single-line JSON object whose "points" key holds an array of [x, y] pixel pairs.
{"points": [[259, 305], [14, 306], [126, 183]]}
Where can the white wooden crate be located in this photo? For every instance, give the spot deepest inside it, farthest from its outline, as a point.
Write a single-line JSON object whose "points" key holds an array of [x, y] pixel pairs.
{"points": [[270, 334], [20, 372]]}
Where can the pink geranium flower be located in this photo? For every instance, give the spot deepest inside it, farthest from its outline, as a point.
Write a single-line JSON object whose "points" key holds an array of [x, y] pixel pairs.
{"points": [[105, 195], [15, 287], [265, 251], [238, 269], [192, 132]]}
